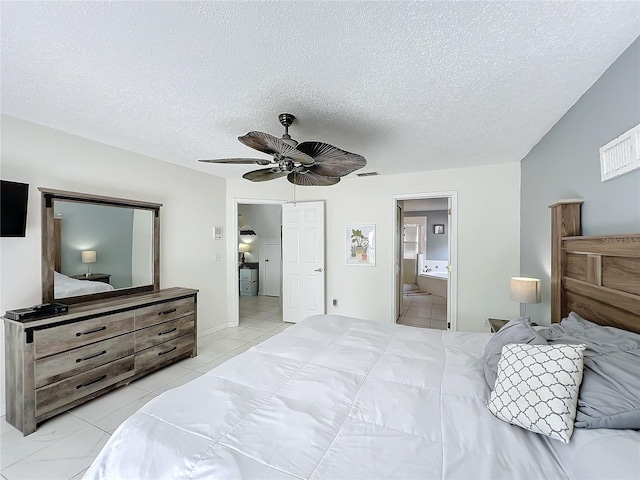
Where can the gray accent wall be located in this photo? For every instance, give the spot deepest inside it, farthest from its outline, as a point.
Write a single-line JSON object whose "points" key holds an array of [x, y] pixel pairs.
{"points": [[437, 244], [107, 230], [566, 164]]}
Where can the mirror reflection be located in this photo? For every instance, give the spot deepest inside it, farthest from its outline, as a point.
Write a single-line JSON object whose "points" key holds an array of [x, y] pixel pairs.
{"points": [[99, 248]]}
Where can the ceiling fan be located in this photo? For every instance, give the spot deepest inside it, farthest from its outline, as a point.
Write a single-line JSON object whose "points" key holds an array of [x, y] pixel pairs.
{"points": [[307, 163]]}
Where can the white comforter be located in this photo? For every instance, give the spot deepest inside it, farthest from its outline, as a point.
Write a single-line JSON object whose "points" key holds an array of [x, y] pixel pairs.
{"points": [[65, 287], [337, 397]]}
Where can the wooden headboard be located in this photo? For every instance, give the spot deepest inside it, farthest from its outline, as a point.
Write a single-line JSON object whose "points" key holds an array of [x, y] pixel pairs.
{"points": [[596, 277]]}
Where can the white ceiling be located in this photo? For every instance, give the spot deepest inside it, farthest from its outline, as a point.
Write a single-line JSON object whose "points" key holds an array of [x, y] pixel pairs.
{"points": [[412, 86]]}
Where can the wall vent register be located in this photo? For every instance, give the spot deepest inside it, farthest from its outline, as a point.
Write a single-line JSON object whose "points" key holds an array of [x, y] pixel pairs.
{"points": [[621, 155]]}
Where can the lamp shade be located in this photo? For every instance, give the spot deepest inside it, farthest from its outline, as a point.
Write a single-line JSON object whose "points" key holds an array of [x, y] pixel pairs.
{"points": [[88, 256], [244, 247], [525, 290]]}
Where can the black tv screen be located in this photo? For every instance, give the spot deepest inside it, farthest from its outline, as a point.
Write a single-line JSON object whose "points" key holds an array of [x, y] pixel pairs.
{"points": [[13, 208]]}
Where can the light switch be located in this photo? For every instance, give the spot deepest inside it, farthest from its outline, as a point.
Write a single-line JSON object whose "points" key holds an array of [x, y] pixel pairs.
{"points": [[217, 233]]}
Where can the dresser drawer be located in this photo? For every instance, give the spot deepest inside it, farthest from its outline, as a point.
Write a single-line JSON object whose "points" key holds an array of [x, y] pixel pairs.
{"points": [[248, 274], [71, 389], [163, 312], [153, 357], [150, 336], [65, 337], [57, 367]]}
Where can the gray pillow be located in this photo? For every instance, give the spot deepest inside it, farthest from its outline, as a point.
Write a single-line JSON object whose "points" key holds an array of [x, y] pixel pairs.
{"points": [[610, 391], [518, 330]]}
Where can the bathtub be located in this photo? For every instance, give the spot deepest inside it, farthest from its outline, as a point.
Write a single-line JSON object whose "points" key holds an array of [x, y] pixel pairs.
{"points": [[433, 277], [444, 274]]}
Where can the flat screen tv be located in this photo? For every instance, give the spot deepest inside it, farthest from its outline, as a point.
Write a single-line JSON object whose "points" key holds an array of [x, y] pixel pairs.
{"points": [[13, 208]]}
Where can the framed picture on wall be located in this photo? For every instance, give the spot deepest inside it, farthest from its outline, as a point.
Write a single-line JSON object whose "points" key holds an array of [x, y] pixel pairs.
{"points": [[438, 229], [361, 245]]}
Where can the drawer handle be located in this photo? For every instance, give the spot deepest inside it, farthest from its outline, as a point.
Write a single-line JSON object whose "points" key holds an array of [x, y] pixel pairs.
{"points": [[99, 329], [168, 331], [167, 312], [167, 351], [96, 380], [91, 356]]}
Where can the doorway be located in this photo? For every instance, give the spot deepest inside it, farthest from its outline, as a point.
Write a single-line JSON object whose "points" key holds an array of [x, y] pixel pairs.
{"points": [[258, 237], [425, 259]]}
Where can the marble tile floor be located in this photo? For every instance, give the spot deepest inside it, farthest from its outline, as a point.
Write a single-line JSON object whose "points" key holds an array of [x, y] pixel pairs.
{"points": [[64, 446], [425, 311]]}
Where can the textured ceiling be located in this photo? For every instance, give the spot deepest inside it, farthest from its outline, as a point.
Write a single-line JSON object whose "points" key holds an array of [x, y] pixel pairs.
{"points": [[412, 86]]}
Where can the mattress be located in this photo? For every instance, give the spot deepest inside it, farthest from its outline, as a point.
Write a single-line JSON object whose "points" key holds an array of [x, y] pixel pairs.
{"points": [[65, 286], [339, 397]]}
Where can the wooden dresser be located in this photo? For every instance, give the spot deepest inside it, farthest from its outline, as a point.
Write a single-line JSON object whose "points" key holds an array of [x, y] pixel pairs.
{"points": [[55, 363]]}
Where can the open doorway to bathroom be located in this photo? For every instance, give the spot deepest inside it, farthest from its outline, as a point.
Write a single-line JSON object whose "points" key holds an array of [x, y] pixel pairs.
{"points": [[424, 255]]}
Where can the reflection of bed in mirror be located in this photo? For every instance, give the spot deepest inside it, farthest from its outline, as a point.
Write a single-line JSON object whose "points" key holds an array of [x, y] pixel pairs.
{"points": [[65, 286], [119, 234]]}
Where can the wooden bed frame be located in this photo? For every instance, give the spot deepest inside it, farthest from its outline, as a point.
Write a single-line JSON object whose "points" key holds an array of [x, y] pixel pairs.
{"points": [[596, 277]]}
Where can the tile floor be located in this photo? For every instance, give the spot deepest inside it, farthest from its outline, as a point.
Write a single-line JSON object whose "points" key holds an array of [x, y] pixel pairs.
{"points": [[426, 311], [64, 446]]}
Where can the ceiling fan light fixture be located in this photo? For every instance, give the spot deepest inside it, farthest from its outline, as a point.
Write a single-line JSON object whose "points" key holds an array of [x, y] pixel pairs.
{"points": [[286, 138]]}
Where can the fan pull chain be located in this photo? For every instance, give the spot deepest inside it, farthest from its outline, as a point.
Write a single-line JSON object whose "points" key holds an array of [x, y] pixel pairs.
{"points": [[294, 195]]}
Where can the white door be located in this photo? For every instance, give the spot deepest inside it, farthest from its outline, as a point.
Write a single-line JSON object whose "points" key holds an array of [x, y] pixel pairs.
{"points": [[303, 260], [272, 268]]}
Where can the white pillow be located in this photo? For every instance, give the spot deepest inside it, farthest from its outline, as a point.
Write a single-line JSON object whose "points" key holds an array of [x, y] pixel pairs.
{"points": [[537, 388]]}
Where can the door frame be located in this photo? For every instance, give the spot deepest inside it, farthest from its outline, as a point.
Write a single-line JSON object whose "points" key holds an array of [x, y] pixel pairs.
{"points": [[452, 285], [234, 312]]}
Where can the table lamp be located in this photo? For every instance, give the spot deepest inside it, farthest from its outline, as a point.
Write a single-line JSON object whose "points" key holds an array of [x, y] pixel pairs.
{"points": [[243, 248], [88, 257], [525, 290]]}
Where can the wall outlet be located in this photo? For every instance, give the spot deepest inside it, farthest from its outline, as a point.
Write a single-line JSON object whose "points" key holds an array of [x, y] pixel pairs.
{"points": [[335, 302], [217, 257]]}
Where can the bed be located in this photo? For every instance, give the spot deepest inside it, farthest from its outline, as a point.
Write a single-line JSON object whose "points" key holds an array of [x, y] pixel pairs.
{"points": [[65, 287], [339, 397]]}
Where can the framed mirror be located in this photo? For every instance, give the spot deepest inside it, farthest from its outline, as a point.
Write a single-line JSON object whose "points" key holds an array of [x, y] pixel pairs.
{"points": [[95, 247]]}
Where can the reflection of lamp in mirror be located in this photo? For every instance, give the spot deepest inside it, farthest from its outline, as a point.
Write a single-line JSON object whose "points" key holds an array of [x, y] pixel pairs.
{"points": [[243, 248], [525, 290], [88, 257]]}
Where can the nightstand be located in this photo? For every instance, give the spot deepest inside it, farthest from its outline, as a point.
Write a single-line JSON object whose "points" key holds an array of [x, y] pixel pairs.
{"points": [[95, 277], [248, 281], [497, 323]]}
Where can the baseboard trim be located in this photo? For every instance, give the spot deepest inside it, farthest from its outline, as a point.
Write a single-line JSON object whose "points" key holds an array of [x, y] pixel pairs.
{"points": [[209, 331]]}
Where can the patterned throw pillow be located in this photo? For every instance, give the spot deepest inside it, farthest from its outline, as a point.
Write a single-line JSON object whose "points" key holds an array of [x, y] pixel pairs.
{"points": [[537, 388]]}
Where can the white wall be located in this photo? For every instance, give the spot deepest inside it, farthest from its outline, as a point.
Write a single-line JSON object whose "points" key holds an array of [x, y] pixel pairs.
{"points": [[488, 240], [142, 248], [193, 203]]}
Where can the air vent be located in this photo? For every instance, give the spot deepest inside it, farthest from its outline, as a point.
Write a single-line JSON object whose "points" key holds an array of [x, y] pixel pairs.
{"points": [[621, 155], [368, 174]]}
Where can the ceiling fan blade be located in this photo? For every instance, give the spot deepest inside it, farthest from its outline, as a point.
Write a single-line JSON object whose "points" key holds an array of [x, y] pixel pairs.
{"points": [[311, 179], [274, 146], [238, 161], [264, 174], [332, 161]]}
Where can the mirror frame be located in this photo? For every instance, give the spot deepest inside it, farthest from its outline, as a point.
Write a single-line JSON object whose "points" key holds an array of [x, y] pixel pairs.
{"points": [[48, 242]]}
